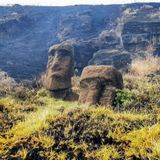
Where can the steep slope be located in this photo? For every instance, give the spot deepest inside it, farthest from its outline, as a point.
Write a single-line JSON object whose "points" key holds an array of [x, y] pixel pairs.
{"points": [[26, 33]]}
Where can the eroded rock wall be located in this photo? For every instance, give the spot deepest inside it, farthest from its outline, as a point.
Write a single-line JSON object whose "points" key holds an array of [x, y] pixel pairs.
{"points": [[100, 35]]}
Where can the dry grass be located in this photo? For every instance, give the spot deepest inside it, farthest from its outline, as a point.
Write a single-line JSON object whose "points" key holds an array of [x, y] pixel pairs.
{"points": [[145, 65]]}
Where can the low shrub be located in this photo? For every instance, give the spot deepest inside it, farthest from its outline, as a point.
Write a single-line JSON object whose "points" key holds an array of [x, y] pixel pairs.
{"points": [[123, 99]]}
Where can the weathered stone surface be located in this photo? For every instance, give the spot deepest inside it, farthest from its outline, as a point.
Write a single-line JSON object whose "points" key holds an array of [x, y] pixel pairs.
{"points": [[107, 96], [98, 85], [59, 68], [117, 58], [69, 24], [141, 30]]}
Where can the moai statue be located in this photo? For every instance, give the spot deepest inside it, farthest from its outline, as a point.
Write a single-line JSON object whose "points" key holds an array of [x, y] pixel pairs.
{"points": [[98, 85], [59, 70]]}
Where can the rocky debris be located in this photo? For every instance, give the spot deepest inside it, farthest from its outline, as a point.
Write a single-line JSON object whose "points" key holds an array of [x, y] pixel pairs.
{"points": [[59, 70], [98, 85]]}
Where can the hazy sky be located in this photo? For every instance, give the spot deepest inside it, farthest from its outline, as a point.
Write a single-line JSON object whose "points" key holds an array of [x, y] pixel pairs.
{"points": [[69, 2]]}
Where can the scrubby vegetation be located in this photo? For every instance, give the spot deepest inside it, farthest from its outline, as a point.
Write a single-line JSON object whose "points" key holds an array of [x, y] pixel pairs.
{"points": [[33, 125]]}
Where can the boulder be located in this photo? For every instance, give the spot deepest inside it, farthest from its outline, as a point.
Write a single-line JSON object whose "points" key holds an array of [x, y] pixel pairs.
{"points": [[98, 85]]}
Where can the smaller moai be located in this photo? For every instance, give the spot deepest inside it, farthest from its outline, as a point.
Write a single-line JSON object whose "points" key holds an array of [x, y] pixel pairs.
{"points": [[98, 85], [57, 78]]}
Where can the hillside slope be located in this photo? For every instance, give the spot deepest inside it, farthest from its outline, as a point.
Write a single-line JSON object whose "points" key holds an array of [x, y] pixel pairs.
{"points": [[100, 35]]}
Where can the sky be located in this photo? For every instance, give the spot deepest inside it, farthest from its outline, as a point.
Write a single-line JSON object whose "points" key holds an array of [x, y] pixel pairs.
{"points": [[69, 2]]}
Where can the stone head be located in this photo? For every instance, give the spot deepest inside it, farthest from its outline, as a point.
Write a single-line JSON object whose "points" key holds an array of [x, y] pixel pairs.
{"points": [[98, 84], [59, 67]]}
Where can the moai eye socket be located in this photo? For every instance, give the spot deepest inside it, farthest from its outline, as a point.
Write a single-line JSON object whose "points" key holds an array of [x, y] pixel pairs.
{"points": [[109, 82], [52, 52], [63, 52]]}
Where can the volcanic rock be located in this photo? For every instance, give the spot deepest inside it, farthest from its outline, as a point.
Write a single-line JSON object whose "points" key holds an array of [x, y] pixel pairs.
{"points": [[98, 85]]}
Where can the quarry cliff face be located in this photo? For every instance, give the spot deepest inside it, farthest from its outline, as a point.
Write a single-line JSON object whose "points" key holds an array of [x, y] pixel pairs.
{"points": [[100, 35]]}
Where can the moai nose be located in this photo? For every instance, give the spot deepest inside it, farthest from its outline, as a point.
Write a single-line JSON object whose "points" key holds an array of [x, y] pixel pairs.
{"points": [[93, 96], [56, 61]]}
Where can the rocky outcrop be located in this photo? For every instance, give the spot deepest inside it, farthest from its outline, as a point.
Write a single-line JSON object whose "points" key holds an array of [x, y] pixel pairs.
{"points": [[69, 24], [98, 85], [117, 58], [10, 26], [141, 31], [95, 32]]}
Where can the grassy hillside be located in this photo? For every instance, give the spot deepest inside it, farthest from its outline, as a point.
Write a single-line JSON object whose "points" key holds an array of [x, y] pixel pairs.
{"points": [[33, 125]]}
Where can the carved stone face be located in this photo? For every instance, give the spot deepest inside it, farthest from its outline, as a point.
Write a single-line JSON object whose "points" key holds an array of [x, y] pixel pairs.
{"points": [[90, 91], [96, 91], [59, 67], [98, 85]]}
